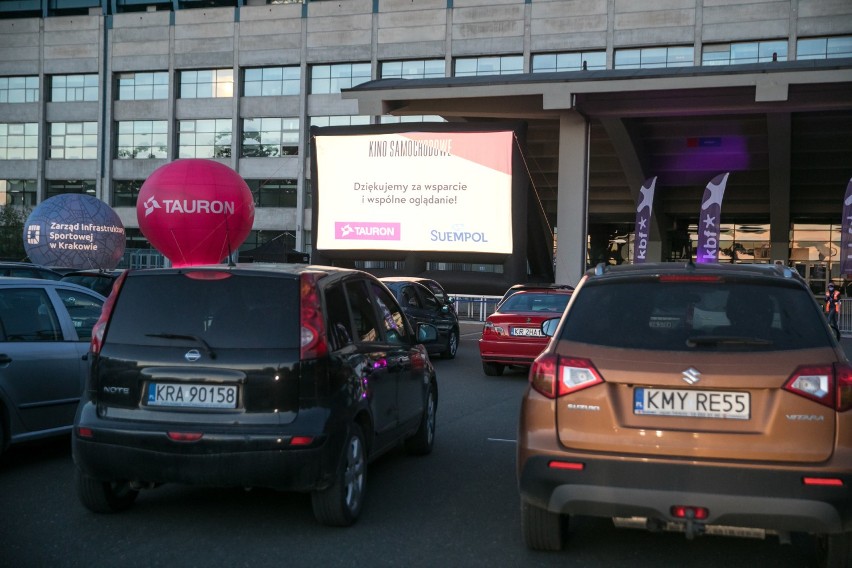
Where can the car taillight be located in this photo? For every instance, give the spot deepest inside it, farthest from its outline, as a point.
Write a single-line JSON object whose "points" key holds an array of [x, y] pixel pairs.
{"points": [[490, 329], [829, 385], [555, 376], [106, 311], [313, 341]]}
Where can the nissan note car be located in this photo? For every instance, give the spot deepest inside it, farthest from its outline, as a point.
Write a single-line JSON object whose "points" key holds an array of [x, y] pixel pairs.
{"points": [[290, 377], [707, 399]]}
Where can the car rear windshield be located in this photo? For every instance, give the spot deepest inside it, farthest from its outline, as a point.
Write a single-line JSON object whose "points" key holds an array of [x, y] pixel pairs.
{"points": [[238, 311], [535, 302], [680, 316]]}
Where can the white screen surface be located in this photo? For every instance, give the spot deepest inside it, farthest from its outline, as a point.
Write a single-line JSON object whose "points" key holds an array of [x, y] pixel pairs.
{"points": [[415, 191]]}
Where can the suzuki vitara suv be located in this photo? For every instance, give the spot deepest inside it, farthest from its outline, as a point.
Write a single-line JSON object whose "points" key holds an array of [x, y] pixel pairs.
{"points": [[288, 377], [708, 399]]}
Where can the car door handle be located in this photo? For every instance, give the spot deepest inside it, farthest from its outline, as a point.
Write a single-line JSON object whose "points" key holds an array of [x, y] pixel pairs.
{"points": [[5, 359]]}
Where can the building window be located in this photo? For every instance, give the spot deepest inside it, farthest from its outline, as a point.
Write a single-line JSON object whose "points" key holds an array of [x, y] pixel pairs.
{"points": [[744, 52], [342, 120], [126, 192], [209, 138], [73, 88], [143, 86], [207, 83], [142, 139], [19, 141], [273, 192], [58, 187], [388, 119], [654, 57], [573, 61], [270, 137], [492, 65], [19, 89], [271, 81], [73, 141], [413, 69], [823, 47], [258, 238], [328, 79], [20, 193]]}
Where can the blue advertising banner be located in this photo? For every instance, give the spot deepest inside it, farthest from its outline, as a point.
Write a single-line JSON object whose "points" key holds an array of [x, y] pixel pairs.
{"points": [[709, 220], [643, 220], [846, 235]]}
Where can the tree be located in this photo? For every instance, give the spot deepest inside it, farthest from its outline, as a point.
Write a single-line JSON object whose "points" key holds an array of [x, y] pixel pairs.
{"points": [[12, 221]]}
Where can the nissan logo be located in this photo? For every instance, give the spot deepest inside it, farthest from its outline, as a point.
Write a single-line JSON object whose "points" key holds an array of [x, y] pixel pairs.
{"points": [[192, 355]]}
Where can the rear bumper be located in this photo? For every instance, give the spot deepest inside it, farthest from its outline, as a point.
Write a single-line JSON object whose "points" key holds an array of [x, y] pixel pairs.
{"points": [[221, 458], [509, 352], [765, 498]]}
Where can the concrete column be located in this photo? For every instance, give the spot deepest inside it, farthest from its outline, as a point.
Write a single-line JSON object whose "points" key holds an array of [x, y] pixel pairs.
{"points": [[572, 206], [778, 137]]}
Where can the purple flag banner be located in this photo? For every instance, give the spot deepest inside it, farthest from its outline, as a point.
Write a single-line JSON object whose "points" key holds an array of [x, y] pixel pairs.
{"points": [[846, 236], [643, 220], [709, 220]]}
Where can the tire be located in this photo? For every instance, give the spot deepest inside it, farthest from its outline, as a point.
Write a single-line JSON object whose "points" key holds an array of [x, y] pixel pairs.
{"points": [[834, 550], [542, 529], [340, 504], [421, 443], [452, 345], [104, 496], [493, 369]]}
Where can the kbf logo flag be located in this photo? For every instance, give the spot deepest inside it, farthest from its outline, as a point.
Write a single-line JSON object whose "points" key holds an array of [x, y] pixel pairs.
{"points": [[846, 237], [709, 220], [643, 220]]}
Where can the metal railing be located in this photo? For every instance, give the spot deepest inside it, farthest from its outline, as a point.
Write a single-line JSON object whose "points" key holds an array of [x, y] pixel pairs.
{"points": [[471, 307]]}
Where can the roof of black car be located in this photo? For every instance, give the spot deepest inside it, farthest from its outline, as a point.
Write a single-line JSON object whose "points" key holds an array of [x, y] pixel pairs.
{"points": [[253, 267]]}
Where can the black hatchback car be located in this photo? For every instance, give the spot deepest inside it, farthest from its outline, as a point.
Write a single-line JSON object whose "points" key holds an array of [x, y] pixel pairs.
{"points": [[422, 306], [289, 377]]}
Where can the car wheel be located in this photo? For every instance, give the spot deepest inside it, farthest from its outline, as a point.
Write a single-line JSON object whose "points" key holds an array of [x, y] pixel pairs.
{"points": [[834, 550], [542, 529], [104, 496], [340, 504], [422, 441], [493, 369], [452, 345]]}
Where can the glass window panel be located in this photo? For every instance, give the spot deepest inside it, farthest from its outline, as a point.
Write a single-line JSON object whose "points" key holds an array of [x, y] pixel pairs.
{"points": [[595, 60], [627, 59], [744, 53], [839, 47], [568, 61], [511, 64], [434, 68], [465, 67], [680, 57], [58, 81], [392, 69], [766, 50]]}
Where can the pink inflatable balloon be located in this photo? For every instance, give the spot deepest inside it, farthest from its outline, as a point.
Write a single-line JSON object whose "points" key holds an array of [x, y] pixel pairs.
{"points": [[195, 211]]}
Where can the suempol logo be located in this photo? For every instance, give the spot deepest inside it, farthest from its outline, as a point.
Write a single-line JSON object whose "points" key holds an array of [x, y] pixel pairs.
{"points": [[190, 206]]}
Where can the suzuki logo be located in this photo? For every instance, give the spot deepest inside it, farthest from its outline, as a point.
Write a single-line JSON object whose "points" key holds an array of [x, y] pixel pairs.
{"points": [[691, 375], [192, 355]]}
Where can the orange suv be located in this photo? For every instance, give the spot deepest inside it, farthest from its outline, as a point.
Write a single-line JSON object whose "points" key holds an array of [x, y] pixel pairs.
{"points": [[708, 399]]}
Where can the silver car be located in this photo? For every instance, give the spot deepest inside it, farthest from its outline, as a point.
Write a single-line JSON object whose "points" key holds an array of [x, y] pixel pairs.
{"points": [[45, 329]]}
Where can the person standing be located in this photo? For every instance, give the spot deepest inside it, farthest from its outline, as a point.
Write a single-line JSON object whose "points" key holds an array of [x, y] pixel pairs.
{"points": [[832, 308]]}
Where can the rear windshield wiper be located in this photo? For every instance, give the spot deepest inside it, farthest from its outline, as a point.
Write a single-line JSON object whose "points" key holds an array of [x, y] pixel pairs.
{"points": [[702, 340], [207, 349]]}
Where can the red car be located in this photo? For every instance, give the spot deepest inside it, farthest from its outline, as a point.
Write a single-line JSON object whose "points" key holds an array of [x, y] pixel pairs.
{"points": [[512, 335]]}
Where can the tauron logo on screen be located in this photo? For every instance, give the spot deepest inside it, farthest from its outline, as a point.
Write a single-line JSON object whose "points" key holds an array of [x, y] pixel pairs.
{"points": [[366, 231]]}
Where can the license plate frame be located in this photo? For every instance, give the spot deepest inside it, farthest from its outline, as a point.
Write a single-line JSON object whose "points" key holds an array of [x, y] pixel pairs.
{"points": [[692, 403], [526, 332], [192, 396]]}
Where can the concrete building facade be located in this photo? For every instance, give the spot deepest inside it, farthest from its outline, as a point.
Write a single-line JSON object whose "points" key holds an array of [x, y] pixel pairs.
{"points": [[99, 93]]}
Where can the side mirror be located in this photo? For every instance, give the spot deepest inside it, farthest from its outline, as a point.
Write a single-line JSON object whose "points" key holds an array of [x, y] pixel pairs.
{"points": [[548, 327], [445, 309], [426, 333]]}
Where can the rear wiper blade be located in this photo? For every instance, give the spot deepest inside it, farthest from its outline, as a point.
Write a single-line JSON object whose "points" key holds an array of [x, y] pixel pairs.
{"points": [[698, 340], [207, 349]]}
